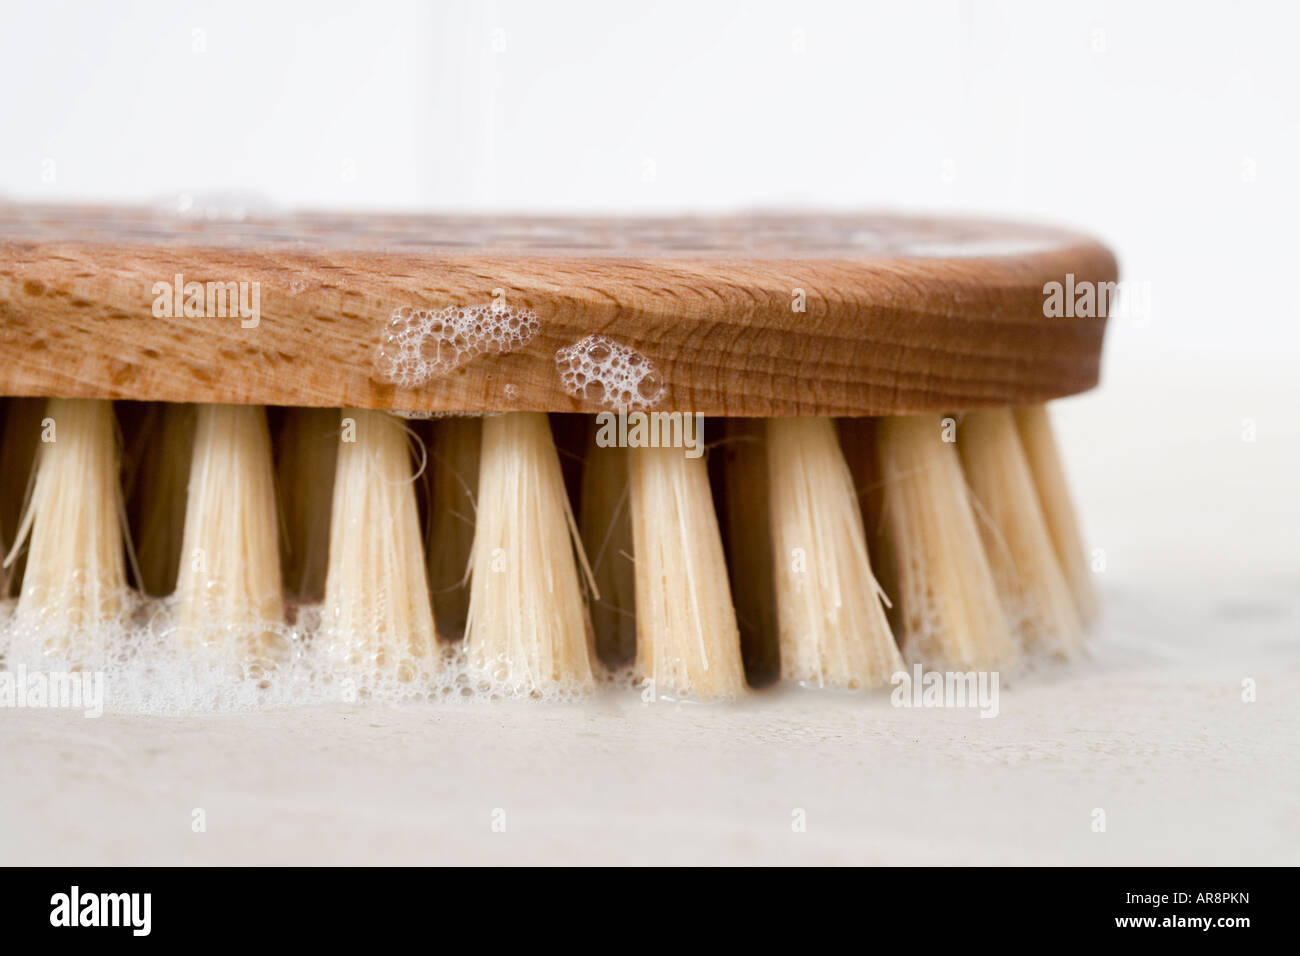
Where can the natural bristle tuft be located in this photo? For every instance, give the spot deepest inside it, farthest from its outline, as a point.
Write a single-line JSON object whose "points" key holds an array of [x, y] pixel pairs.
{"points": [[377, 616], [1032, 588], [1035, 430], [833, 630], [75, 579], [527, 623], [228, 590], [688, 643], [949, 608]]}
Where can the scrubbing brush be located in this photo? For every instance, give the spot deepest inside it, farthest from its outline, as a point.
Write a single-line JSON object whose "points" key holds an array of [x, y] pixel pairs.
{"points": [[879, 484]]}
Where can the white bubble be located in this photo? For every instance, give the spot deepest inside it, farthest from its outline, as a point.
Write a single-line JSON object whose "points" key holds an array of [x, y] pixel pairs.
{"points": [[600, 370], [419, 344]]}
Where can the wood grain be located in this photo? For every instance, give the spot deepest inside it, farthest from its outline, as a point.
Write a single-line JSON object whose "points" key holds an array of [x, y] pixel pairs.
{"points": [[900, 314]]}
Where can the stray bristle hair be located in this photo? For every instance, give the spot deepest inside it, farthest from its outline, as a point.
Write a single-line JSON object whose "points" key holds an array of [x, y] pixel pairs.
{"points": [[606, 524], [948, 604], [76, 570], [1032, 588], [163, 475], [833, 630], [688, 643], [453, 477], [306, 455], [228, 586], [1035, 430], [377, 614], [527, 624], [747, 537], [22, 430]]}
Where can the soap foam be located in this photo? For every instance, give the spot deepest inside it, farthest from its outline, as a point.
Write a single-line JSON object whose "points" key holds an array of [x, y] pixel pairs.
{"points": [[419, 345], [600, 370], [150, 665]]}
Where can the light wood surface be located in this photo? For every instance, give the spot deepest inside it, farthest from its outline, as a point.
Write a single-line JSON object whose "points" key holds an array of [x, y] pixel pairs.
{"points": [[900, 314]]}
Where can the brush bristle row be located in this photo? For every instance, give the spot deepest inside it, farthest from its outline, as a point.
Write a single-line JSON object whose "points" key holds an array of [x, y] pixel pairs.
{"points": [[792, 551]]}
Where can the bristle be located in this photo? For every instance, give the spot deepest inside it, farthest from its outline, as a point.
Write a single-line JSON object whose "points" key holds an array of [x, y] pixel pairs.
{"points": [[228, 592], [527, 624], [377, 614], [306, 455], [747, 541], [1035, 430], [688, 643], [949, 606], [453, 478], [833, 630], [76, 571], [22, 431], [1032, 588], [160, 493], [606, 524], [862, 455]]}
